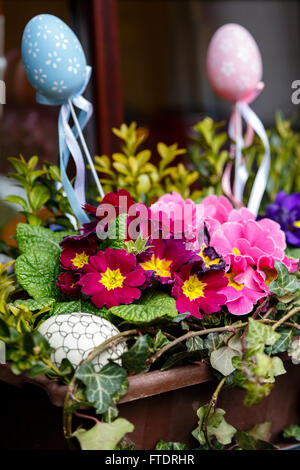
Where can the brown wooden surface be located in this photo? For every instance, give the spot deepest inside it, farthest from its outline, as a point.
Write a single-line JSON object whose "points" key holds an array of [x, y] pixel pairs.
{"points": [[140, 386]]}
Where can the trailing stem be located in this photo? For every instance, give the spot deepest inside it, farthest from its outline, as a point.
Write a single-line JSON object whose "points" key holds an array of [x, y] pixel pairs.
{"points": [[73, 385], [212, 404]]}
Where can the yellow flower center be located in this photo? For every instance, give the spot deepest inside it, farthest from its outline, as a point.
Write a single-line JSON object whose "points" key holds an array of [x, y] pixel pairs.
{"points": [[297, 223], [112, 278], [232, 282], [236, 251], [270, 273], [208, 262], [80, 260], [161, 267], [193, 288]]}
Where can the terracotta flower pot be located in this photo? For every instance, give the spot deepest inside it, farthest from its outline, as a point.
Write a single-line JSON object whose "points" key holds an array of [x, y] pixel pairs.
{"points": [[162, 405]]}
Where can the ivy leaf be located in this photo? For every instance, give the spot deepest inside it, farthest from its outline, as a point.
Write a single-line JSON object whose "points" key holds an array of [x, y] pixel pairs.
{"points": [[103, 436], [179, 317], [163, 445], [194, 344], [214, 341], [294, 351], [152, 305], [101, 387], [256, 392], [260, 335], [282, 344], [221, 360], [268, 367], [248, 442], [285, 282], [217, 426], [160, 341], [261, 431], [292, 431], [37, 272], [134, 360]]}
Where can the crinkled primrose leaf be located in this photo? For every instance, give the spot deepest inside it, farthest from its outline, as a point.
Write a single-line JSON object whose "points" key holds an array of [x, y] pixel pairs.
{"points": [[151, 306]]}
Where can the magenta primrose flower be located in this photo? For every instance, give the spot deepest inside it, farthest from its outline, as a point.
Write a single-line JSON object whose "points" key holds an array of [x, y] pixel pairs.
{"points": [[112, 278], [76, 251], [164, 258], [198, 293], [68, 283]]}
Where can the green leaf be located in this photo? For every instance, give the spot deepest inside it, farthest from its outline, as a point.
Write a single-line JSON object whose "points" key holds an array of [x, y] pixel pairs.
{"points": [[151, 306], [32, 162], [66, 368], [160, 341], [20, 166], [214, 341], [292, 252], [221, 360], [37, 272], [256, 392], [163, 445], [261, 431], [217, 426], [179, 317], [103, 436], [38, 369], [260, 335], [32, 237], [285, 282], [248, 442], [79, 305], [32, 219], [101, 387], [136, 246], [34, 305], [294, 351], [39, 196], [268, 367], [134, 360], [116, 233], [283, 343], [292, 431], [54, 173], [17, 200], [195, 344]]}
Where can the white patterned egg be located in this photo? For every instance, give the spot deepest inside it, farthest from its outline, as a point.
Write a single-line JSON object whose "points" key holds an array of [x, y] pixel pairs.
{"points": [[75, 335], [53, 57]]}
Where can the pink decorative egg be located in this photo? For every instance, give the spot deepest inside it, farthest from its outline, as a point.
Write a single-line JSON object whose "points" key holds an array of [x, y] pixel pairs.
{"points": [[234, 64]]}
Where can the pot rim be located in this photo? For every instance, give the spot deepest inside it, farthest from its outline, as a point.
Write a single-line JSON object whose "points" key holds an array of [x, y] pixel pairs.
{"points": [[140, 386]]}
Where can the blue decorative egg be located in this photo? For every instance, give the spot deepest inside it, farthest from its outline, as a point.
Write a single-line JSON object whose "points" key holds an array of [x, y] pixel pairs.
{"points": [[53, 58]]}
